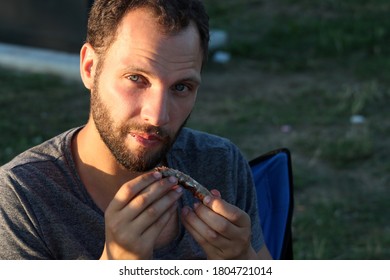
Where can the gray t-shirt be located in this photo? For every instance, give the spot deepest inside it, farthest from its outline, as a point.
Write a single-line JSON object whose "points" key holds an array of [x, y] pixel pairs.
{"points": [[46, 212]]}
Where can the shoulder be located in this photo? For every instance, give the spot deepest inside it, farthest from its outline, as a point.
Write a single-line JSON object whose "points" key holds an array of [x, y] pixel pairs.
{"points": [[47, 151], [36, 165]]}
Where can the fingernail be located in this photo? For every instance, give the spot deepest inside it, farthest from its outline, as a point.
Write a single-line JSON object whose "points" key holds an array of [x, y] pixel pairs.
{"points": [[207, 199], [216, 193], [196, 205], [179, 190], [185, 211], [172, 180], [157, 175]]}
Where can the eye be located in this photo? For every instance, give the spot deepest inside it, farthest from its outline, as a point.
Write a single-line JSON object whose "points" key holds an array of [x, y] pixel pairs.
{"points": [[184, 88], [137, 80], [180, 87], [134, 78]]}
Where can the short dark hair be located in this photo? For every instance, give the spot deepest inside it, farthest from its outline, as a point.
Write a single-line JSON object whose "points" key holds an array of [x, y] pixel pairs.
{"points": [[173, 15]]}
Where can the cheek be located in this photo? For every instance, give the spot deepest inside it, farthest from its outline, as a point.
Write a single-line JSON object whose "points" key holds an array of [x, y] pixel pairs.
{"points": [[182, 108], [118, 100]]}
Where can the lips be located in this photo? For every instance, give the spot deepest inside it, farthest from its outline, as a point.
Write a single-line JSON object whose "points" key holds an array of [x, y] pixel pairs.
{"points": [[146, 138]]}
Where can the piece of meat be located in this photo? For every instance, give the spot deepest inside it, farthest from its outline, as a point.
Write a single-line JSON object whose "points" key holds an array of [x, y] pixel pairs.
{"points": [[186, 181]]}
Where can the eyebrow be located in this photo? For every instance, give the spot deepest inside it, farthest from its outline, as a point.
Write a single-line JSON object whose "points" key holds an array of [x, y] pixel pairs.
{"points": [[138, 70], [192, 78]]}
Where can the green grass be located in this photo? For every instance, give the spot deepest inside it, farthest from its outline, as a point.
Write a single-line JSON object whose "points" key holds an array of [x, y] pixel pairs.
{"points": [[303, 64], [296, 35], [311, 65], [36, 107]]}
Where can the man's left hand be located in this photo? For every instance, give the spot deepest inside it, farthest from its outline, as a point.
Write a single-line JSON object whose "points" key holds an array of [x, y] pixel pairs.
{"points": [[221, 229]]}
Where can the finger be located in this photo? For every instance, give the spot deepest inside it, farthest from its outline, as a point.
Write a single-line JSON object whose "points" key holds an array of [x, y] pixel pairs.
{"points": [[209, 240], [139, 234], [130, 189], [201, 233], [215, 192], [151, 215], [230, 212], [229, 242], [148, 196], [216, 222], [204, 232], [152, 232]]}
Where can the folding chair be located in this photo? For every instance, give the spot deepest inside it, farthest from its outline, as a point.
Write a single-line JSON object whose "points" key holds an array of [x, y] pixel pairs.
{"points": [[273, 179]]}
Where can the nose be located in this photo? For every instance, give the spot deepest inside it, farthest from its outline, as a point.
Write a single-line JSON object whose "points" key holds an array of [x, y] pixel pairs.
{"points": [[155, 109]]}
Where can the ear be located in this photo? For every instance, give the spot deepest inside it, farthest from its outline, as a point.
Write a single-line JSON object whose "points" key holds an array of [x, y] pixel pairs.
{"points": [[88, 62]]}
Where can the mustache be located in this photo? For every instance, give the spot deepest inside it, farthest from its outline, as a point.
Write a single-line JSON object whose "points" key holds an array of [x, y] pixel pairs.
{"points": [[144, 128]]}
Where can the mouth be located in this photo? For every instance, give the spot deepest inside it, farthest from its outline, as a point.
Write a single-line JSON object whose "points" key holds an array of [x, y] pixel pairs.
{"points": [[146, 139]]}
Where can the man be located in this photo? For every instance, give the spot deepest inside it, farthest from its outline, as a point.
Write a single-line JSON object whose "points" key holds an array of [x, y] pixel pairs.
{"points": [[89, 193]]}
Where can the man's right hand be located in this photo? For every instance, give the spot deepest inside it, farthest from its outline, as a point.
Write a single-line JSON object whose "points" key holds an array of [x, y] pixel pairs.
{"points": [[138, 213]]}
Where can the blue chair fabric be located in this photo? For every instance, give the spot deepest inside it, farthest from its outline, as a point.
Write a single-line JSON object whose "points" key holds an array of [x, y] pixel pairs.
{"points": [[273, 177]]}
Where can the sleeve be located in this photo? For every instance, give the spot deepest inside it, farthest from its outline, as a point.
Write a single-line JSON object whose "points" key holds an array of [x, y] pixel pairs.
{"points": [[20, 237]]}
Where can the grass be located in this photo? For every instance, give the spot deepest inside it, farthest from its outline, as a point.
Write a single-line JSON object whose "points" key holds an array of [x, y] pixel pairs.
{"points": [[300, 70], [310, 30], [34, 108], [310, 66]]}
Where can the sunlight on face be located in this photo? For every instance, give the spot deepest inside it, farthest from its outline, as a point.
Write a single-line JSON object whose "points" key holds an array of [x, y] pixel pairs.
{"points": [[115, 137], [144, 90]]}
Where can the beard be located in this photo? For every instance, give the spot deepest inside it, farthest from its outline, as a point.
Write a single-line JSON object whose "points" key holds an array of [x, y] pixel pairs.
{"points": [[114, 136]]}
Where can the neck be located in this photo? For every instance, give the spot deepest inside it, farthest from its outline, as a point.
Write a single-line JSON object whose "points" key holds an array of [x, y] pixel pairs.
{"points": [[100, 173]]}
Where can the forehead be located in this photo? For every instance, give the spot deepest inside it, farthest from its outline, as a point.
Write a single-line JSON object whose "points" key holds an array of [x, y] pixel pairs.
{"points": [[140, 35]]}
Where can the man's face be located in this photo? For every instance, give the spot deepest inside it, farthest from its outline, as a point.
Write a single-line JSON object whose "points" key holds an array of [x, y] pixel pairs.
{"points": [[144, 90]]}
